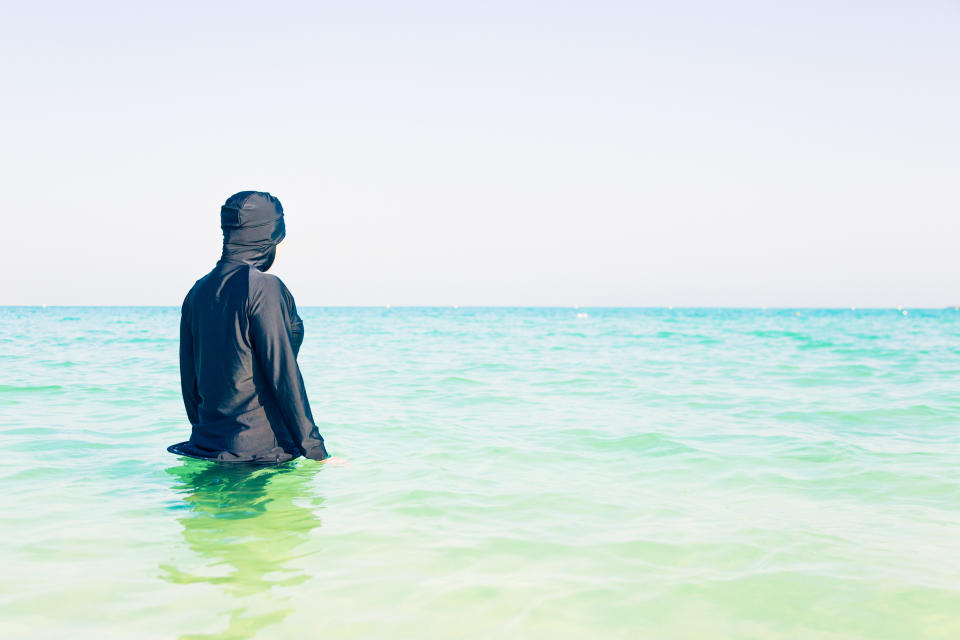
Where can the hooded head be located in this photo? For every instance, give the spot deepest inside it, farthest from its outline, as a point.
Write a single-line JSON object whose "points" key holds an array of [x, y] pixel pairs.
{"points": [[252, 223]]}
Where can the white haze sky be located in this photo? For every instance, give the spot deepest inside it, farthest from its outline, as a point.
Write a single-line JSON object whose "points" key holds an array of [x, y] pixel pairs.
{"points": [[514, 153]]}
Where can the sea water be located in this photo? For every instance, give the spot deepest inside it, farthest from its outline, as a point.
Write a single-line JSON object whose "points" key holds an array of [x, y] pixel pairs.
{"points": [[511, 473]]}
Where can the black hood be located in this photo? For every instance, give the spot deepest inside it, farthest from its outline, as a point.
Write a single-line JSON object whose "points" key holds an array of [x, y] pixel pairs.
{"points": [[252, 223]]}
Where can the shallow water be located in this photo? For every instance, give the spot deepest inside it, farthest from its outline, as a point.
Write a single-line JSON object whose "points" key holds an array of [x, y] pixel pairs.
{"points": [[513, 473]]}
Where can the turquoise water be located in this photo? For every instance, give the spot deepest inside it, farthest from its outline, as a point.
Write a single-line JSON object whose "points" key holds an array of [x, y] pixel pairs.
{"points": [[512, 473]]}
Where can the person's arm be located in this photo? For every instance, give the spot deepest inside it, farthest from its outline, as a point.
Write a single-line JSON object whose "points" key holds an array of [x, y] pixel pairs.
{"points": [[271, 317], [188, 371]]}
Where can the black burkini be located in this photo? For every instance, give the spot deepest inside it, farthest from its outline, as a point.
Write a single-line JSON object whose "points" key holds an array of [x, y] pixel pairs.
{"points": [[239, 338]]}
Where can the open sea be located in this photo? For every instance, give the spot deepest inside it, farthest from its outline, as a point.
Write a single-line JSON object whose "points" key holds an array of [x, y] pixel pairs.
{"points": [[511, 473]]}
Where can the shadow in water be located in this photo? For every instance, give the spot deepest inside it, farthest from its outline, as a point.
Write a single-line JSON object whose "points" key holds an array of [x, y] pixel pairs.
{"points": [[247, 524]]}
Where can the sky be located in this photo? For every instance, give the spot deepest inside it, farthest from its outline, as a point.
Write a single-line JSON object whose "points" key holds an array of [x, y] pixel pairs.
{"points": [[591, 153]]}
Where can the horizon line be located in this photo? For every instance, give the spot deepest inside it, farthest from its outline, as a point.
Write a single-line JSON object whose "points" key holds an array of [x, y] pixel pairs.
{"points": [[515, 306]]}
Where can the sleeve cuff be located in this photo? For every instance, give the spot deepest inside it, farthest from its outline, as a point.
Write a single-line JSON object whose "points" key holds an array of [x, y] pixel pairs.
{"points": [[316, 452]]}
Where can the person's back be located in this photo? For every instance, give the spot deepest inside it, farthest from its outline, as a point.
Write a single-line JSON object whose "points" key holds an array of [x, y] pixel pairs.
{"points": [[239, 338]]}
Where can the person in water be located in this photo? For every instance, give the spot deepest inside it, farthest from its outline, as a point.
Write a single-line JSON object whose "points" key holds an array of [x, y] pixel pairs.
{"points": [[239, 339]]}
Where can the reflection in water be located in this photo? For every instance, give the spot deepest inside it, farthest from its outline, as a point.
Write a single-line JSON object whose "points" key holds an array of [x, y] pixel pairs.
{"points": [[246, 523]]}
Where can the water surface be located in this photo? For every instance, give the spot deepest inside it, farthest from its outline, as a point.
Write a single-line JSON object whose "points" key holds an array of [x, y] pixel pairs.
{"points": [[514, 473]]}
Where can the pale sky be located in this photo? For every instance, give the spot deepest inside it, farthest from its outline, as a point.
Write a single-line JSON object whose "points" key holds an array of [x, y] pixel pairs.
{"points": [[502, 153]]}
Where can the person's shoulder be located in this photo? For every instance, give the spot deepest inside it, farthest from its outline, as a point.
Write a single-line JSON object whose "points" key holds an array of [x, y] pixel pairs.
{"points": [[265, 281], [187, 298], [267, 286]]}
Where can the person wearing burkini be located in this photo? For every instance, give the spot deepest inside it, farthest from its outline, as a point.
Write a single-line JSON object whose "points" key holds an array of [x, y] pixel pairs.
{"points": [[239, 339]]}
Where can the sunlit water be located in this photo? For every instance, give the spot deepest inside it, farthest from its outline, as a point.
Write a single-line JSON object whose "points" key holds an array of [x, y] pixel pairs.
{"points": [[513, 473]]}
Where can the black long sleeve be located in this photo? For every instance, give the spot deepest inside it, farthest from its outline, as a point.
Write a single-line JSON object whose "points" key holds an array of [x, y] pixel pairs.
{"points": [[273, 323], [188, 370]]}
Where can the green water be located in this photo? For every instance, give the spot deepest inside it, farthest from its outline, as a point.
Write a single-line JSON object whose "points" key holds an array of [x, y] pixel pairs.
{"points": [[513, 473]]}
